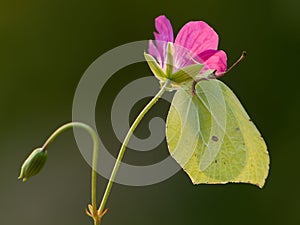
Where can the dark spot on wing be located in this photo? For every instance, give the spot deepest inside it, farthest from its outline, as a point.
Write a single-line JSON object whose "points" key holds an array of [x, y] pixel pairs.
{"points": [[214, 138], [216, 161], [237, 129]]}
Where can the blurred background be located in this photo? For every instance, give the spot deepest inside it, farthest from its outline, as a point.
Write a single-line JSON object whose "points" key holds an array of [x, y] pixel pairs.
{"points": [[45, 47]]}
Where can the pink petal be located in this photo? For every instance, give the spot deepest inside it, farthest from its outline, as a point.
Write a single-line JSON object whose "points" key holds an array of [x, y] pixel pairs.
{"points": [[183, 57], [197, 36], [163, 35], [214, 60], [152, 50], [164, 29]]}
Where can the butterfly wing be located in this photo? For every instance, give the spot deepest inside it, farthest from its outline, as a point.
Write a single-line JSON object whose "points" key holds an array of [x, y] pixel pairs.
{"points": [[213, 139]]}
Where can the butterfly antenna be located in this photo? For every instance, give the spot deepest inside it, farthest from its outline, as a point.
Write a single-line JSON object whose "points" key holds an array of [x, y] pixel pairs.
{"points": [[244, 53]]}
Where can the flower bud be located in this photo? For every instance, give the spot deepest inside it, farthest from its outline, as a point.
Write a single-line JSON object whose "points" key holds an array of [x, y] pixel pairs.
{"points": [[33, 164]]}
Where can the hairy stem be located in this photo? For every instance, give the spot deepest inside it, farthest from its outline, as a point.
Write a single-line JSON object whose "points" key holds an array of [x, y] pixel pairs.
{"points": [[125, 142], [95, 159]]}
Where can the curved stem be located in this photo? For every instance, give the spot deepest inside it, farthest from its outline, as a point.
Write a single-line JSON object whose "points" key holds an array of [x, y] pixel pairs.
{"points": [[125, 142], [95, 157]]}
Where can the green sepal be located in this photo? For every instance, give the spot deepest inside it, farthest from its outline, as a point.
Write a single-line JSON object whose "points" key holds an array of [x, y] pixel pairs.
{"points": [[180, 77], [33, 164], [155, 67], [169, 60], [187, 73]]}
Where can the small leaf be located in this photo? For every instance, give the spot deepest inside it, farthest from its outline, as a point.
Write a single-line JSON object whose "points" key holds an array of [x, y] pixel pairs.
{"points": [[212, 138]]}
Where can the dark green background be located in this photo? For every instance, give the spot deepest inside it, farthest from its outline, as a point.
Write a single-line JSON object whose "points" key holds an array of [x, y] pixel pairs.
{"points": [[45, 47]]}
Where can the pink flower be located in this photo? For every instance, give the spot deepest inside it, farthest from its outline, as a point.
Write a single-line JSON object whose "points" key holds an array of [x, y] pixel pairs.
{"points": [[196, 42]]}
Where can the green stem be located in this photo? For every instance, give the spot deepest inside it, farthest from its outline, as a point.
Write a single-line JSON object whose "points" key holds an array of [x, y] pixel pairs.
{"points": [[95, 156], [124, 145]]}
